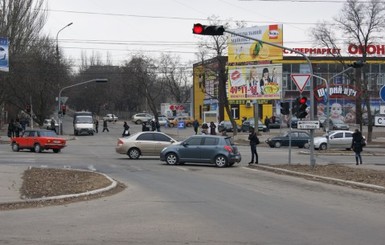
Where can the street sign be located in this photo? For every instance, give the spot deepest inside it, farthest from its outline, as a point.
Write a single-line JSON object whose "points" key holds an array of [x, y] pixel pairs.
{"points": [[300, 80], [382, 93], [63, 99], [379, 121], [308, 124]]}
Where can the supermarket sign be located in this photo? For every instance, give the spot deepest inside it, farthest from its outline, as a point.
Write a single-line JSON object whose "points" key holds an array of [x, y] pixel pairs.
{"points": [[352, 49]]}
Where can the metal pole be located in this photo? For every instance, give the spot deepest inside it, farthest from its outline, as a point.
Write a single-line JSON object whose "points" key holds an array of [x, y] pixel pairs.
{"points": [[57, 38], [312, 159]]}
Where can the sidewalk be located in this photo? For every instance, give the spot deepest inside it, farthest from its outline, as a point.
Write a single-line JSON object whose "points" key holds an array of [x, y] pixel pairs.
{"points": [[11, 182]]}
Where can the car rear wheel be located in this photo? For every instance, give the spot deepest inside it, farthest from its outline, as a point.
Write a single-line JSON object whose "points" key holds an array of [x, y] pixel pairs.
{"points": [[277, 144], [37, 148], [221, 161], [138, 122], [133, 153], [171, 158], [15, 147], [56, 150], [323, 146]]}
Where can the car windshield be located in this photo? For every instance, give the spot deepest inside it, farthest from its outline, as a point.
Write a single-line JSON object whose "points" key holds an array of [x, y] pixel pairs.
{"points": [[81, 119], [337, 121], [48, 134]]}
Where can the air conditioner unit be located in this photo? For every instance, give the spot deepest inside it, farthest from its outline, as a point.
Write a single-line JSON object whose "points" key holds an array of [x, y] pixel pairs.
{"points": [[248, 103]]}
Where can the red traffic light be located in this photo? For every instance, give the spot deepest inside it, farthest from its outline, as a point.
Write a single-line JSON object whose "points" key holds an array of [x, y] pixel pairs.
{"points": [[198, 29], [208, 30], [302, 100]]}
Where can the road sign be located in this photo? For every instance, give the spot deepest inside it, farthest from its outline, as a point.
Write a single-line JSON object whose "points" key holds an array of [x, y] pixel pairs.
{"points": [[308, 124], [382, 93], [379, 121], [300, 80]]}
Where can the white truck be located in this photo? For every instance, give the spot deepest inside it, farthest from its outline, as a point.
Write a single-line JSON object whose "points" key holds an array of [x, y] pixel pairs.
{"points": [[83, 123]]}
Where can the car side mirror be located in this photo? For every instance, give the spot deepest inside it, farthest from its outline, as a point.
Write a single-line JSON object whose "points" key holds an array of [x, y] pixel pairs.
{"points": [[184, 144]]}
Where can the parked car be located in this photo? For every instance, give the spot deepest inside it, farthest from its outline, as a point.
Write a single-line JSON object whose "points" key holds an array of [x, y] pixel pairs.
{"points": [[186, 119], [292, 123], [38, 140], [212, 149], [143, 144], [141, 117], [337, 139], [227, 126], [250, 123], [110, 118], [276, 123], [337, 124], [163, 121], [298, 138], [47, 123]]}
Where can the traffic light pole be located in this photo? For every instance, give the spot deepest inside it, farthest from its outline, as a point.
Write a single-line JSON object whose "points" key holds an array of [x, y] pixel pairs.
{"points": [[312, 159]]}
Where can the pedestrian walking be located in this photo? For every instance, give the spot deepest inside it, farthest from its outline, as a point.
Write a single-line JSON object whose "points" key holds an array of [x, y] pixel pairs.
{"points": [[357, 143], [153, 126], [196, 126], [11, 129], [212, 128], [53, 127], [254, 141], [157, 125], [205, 128], [96, 125], [126, 130], [267, 123], [105, 126], [144, 126]]}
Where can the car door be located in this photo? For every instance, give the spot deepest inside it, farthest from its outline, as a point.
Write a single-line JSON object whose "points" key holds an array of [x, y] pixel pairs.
{"points": [[145, 142], [208, 148], [161, 141], [347, 139], [294, 139], [336, 140], [190, 149]]}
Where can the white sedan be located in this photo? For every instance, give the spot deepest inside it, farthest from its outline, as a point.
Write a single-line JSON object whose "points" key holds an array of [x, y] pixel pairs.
{"points": [[110, 118], [337, 139]]}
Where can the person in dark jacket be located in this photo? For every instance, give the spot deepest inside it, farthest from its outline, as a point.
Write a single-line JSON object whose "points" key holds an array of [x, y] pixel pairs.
{"points": [[126, 128], [212, 128], [196, 126], [357, 145], [105, 126], [11, 129], [254, 141]]}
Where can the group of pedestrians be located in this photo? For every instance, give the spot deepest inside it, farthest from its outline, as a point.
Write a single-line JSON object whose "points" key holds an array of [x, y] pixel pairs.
{"points": [[15, 128]]}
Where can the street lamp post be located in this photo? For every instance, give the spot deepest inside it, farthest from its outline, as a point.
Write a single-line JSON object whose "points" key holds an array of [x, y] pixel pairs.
{"points": [[57, 38], [98, 80]]}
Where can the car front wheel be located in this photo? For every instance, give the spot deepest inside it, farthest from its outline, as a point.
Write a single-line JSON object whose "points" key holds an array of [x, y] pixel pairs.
{"points": [[171, 158], [323, 146], [133, 153], [221, 161], [277, 144], [37, 148], [15, 147]]}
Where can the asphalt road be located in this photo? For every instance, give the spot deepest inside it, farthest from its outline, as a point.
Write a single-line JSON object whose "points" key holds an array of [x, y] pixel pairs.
{"points": [[192, 204]]}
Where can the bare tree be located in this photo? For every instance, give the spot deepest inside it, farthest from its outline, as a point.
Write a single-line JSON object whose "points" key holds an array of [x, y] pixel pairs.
{"points": [[361, 23], [175, 78]]}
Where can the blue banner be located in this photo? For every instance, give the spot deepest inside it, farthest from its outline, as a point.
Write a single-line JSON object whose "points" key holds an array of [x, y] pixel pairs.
{"points": [[4, 54]]}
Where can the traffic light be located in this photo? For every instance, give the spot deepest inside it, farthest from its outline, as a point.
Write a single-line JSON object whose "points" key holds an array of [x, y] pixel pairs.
{"points": [[357, 64], [200, 29], [302, 106], [285, 108]]}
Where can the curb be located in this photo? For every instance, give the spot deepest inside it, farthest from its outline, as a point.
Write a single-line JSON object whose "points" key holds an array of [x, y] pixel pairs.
{"points": [[351, 183]]}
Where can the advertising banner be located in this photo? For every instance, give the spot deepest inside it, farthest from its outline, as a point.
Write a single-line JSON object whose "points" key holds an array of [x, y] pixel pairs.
{"points": [[254, 82], [4, 56], [245, 50]]}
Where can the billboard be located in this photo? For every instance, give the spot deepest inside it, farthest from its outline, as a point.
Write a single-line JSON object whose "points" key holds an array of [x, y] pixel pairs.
{"points": [[245, 50], [4, 54], [254, 82]]}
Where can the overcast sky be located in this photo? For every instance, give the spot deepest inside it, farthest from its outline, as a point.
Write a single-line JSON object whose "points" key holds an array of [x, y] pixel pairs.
{"points": [[122, 27]]}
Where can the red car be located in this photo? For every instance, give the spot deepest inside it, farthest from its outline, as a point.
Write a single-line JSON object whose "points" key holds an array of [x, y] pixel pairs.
{"points": [[38, 140]]}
